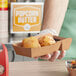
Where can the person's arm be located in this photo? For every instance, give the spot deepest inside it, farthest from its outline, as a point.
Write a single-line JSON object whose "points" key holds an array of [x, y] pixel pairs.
{"points": [[54, 13]]}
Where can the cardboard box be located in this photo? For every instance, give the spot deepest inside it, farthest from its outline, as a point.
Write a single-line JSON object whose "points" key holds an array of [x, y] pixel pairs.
{"points": [[26, 17], [61, 44]]}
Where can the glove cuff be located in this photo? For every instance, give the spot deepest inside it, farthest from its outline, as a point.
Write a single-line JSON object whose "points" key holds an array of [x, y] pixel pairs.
{"points": [[52, 31]]}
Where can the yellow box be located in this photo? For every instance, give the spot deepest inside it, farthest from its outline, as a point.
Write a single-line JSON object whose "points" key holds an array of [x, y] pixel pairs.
{"points": [[26, 17]]}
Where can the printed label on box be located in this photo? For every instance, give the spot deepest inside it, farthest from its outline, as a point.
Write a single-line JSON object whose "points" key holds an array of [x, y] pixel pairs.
{"points": [[26, 17]]}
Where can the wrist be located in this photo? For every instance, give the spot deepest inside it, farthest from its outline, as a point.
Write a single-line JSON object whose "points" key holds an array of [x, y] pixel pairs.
{"points": [[51, 31]]}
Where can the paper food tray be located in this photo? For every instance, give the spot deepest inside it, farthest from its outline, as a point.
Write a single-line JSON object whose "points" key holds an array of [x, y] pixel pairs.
{"points": [[61, 44], [65, 42], [35, 52]]}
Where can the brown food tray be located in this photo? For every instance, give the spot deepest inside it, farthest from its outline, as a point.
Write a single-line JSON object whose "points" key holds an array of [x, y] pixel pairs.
{"points": [[61, 44], [65, 42]]}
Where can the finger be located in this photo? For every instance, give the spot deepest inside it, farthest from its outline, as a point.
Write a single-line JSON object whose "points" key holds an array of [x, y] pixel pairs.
{"points": [[62, 54], [54, 56], [45, 56], [48, 56]]}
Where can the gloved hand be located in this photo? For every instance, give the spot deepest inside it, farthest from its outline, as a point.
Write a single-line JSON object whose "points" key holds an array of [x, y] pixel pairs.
{"points": [[56, 55]]}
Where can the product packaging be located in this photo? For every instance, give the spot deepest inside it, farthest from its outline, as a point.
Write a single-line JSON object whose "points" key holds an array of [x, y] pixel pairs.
{"points": [[71, 66], [26, 17]]}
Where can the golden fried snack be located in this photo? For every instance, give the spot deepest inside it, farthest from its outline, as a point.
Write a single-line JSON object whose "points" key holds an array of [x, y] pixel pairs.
{"points": [[46, 40], [31, 42]]}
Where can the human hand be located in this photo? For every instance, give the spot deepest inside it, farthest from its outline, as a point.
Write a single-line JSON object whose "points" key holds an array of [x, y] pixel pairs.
{"points": [[56, 54], [52, 57]]}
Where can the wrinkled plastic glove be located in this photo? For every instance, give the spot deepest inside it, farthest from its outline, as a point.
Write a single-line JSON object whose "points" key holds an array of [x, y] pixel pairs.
{"points": [[56, 55]]}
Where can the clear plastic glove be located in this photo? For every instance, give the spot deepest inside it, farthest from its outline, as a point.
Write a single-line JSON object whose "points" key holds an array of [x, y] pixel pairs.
{"points": [[56, 55]]}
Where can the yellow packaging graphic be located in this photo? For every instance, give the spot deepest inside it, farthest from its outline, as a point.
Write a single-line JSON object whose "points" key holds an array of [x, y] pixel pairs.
{"points": [[3, 3], [26, 17]]}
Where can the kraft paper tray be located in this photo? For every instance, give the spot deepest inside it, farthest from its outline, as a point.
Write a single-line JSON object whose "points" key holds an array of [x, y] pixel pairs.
{"points": [[61, 44]]}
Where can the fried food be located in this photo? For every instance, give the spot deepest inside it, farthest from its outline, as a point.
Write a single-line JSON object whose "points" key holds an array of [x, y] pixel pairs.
{"points": [[31, 42], [46, 40]]}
